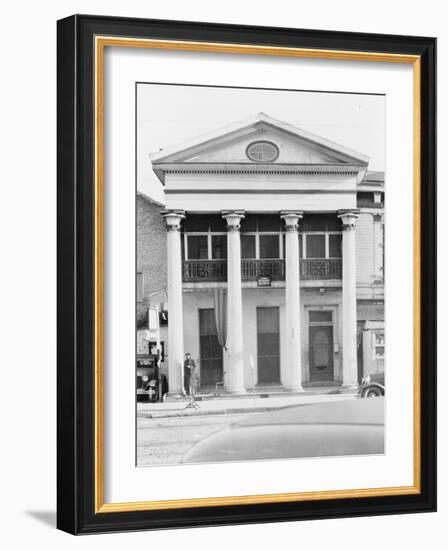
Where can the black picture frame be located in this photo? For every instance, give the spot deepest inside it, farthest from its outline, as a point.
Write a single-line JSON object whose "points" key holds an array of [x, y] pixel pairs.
{"points": [[76, 511]]}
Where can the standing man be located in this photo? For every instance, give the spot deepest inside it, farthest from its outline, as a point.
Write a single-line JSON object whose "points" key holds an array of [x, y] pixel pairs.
{"points": [[189, 369], [194, 381]]}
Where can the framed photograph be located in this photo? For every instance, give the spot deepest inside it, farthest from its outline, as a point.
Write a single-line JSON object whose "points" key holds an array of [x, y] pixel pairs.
{"points": [[246, 274]]}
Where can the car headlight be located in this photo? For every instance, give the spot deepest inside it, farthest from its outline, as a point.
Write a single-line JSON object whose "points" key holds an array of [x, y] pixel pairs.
{"points": [[145, 378]]}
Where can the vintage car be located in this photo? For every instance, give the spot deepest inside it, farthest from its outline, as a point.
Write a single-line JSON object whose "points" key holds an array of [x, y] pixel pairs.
{"points": [[372, 385], [148, 381], [335, 428]]}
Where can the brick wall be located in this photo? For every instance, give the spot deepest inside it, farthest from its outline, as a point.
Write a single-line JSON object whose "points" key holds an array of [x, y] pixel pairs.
{"points": [[151, 252]]}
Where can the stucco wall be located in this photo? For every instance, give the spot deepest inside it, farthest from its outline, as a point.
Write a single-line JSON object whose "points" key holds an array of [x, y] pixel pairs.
{"points": [[253, 298]]}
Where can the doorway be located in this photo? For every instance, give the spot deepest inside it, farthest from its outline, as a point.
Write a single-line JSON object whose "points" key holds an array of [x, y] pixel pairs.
{"points": [[268, 345], [211, 368], [320, 338]]}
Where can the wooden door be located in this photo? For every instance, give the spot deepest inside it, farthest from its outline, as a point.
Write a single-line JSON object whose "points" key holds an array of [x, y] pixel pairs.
{"points": [[268, 345], [321, 353], [211, 367]]}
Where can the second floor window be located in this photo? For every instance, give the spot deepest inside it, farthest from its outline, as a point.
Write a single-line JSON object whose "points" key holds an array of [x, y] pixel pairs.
{"points": [[262, 237], [269, 246], [197, 247]]}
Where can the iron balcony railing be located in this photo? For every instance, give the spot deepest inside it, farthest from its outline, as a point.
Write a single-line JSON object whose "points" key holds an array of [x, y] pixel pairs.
{"points": [[252, 270], [196, 271], [325, 268]]}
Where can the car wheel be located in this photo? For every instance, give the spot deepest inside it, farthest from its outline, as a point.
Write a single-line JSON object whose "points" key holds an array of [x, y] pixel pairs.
{"points": [[153, 396], [372, 392]]}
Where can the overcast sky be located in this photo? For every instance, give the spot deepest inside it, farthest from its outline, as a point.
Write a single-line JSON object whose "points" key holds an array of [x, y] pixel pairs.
{"points": [[169, 114]]}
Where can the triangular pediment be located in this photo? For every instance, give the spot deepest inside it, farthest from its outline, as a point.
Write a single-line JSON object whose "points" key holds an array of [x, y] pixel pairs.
{"points": [[291, 150], [233, 145]]}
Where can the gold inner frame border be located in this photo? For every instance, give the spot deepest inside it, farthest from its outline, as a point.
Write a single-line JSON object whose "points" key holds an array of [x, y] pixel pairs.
{"points": [[100, 43]]}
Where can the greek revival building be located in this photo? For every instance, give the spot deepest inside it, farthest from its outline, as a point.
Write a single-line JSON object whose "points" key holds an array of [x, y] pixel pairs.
{"points": [[274, 242]]}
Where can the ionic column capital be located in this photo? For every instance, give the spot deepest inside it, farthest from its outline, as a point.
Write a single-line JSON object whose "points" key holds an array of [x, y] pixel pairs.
{"points": [[348, 218], [173, 219], [233, 219], [291, 219]]}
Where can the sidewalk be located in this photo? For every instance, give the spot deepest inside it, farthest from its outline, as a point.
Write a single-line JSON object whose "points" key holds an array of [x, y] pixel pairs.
{"points": [[235, 405]]}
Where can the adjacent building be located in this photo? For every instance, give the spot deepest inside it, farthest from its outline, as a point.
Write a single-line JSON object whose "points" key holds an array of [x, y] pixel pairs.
{"points": [[273, 240]]}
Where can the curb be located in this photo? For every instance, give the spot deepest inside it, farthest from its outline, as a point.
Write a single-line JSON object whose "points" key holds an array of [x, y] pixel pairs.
{"points": [[210, 412]]}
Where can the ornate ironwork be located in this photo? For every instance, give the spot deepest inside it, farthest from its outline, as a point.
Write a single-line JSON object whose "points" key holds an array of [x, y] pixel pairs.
{"points": [[324, 268], [196, 271], [252, 270]]}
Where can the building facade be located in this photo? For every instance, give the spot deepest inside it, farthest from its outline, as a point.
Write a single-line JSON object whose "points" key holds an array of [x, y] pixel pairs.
{"points": [[275, 259], [151, 281]]}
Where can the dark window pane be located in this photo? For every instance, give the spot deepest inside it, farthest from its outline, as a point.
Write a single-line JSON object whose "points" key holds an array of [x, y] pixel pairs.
{"points": [[249, 223], [335, 246], [182, 247], [196, 223], [365, 198], [248, 246], [315, 246], [269, 222], [269, 246], [219, 247], [197, 247], [319, 316]]}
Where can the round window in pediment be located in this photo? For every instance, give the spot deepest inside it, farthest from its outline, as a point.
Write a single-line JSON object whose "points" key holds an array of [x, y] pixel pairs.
{"points": [[262, 151]]}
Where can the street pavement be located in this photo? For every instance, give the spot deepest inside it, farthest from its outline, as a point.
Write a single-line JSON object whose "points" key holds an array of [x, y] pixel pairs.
{"points": [[165, 431], [163, 441]]}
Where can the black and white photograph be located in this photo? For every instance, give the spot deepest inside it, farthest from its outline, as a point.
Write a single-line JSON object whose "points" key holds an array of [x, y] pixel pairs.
{"points": [[260, 274], [218, 331]]}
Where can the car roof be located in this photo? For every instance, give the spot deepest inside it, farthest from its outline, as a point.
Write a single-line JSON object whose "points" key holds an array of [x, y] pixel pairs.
{"points": [[353, 411], [346, 427]]}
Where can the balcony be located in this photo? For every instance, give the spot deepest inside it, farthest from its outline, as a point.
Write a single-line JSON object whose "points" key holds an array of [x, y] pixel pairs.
{"points": [[206, 271], [325, 268], [252, 270]]}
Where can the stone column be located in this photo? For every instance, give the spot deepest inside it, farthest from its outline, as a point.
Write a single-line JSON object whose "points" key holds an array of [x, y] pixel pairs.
{"points": [[233, 355], [349, 348], [292, 376], [173, 219]]}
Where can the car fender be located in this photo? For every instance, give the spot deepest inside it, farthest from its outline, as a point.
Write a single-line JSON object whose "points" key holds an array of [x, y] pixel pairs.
{"points": [[373, 385]]}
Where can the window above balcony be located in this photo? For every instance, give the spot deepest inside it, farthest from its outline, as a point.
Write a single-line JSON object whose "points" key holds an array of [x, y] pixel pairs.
{"points": [[262, 237]]}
